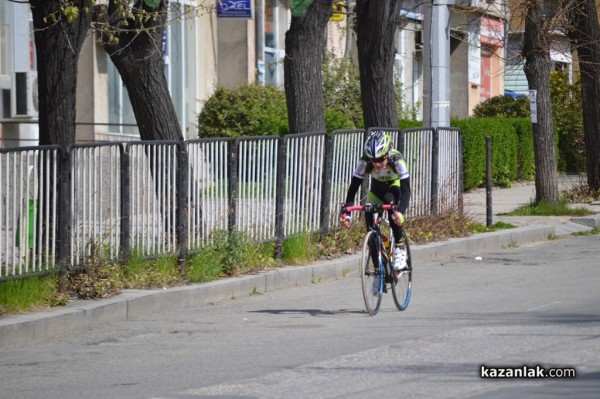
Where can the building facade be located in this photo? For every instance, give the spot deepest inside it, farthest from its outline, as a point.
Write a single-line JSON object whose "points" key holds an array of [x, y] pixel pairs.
{"points": [[203, 49], [560, 49]]}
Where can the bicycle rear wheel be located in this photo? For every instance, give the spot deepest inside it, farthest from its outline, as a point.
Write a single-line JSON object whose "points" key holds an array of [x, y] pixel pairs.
{"points": [[370, 275], [402, 284]]}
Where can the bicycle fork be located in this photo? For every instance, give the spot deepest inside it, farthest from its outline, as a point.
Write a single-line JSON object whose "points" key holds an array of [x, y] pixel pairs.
{"points": [[381, 260], [383, 270], [382, 285]]}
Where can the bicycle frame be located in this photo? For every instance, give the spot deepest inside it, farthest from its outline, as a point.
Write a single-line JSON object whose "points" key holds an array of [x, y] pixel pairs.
{"points": [[381, 263], [383, 258]]}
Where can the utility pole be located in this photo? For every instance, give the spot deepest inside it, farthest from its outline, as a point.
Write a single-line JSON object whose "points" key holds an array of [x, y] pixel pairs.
{"points": [[436, 63]]}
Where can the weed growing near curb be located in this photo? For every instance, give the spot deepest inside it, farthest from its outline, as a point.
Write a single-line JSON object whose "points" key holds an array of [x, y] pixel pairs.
{"points": [[31, 293], [546, 209], [229, 254], [299, 249]]}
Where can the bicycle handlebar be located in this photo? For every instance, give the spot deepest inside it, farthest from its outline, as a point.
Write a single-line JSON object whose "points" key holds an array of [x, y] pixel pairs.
{"points": [[373, 208], [360, 208]]}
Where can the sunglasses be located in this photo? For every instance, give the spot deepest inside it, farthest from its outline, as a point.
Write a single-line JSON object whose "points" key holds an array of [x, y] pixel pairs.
{"points": [[378, 160]]}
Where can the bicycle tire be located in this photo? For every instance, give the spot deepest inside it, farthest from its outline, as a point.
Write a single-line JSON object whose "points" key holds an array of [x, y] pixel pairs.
{"points": [[402, 284], [371, 276]]}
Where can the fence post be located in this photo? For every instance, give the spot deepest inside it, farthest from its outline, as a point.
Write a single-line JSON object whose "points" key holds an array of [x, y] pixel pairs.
{"points": [[125, 199], [488, 180], [435, 170], [182, 205], [326, 185], [401, 145], [280, 199], [461, 181], [232, 160], [64, 215]]}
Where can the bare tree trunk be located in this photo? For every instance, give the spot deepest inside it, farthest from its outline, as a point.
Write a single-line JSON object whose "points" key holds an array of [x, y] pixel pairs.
{"points": [[585, 37], [58, 42], [137, 53], [304, 45], [57, 45], [376, 27], [537, 69]]}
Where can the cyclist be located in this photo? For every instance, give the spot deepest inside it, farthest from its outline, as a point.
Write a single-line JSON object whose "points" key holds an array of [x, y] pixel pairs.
{"points": [[390, 183]]}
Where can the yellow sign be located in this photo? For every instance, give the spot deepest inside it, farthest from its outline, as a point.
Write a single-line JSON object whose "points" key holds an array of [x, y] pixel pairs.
{"points": [[339, 11]]}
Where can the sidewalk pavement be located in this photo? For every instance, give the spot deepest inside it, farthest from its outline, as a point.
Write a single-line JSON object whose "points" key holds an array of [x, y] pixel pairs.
{"points": [[16, 330]]}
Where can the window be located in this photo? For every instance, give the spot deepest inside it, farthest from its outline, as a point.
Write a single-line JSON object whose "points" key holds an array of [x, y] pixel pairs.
{"points": [[180, 54]]}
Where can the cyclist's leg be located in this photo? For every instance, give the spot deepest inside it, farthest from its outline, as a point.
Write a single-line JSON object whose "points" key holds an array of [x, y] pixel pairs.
{"points": [[370, 219], [399, 238], [394, 190]]}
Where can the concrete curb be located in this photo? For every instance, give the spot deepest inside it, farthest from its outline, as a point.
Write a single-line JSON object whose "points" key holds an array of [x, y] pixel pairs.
{"points": [[592, 221], [82, 315], [480, 243]]}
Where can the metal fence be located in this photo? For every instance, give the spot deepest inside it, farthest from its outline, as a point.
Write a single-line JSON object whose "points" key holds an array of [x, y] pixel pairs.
{"points": [[103, 201], [28, 210], [95, 201], [208, 188], [153, 178]]}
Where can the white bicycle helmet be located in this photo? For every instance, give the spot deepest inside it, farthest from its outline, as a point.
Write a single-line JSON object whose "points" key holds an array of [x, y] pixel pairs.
{"points": [[378, 145]]}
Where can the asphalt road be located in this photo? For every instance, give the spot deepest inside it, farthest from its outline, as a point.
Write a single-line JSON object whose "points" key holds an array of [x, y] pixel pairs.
{"points": [[536, 305]]}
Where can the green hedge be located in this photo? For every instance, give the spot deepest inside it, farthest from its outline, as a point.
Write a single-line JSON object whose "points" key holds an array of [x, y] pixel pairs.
{"points": [[254, 110], [409, 124], [525, 154], [512, 150]]}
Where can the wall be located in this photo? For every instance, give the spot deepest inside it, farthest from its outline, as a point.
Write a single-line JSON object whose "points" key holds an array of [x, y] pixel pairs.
{"points": [[92, 92], [206, 60], [460, 101], [235, 60]]}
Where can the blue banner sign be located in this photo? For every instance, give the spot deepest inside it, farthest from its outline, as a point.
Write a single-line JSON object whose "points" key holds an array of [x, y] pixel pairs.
{"points": [[234, 9]]}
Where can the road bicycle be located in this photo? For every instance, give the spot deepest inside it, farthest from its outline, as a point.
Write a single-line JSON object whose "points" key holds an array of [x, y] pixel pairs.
{"points": [[376, 270]]}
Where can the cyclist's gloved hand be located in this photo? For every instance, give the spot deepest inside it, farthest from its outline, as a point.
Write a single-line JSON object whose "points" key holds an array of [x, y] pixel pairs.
{"points": [[398, 218], [345, 217]]}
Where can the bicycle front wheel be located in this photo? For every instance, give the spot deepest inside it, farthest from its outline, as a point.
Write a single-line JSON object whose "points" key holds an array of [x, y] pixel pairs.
{"points": [[370, 274], [402, 284]]}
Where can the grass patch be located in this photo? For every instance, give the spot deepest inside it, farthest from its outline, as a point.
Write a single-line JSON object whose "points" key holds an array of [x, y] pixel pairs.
{"points": [[201, 267], [229, 254], [31, 293], [480, 228], [544, 208], [142, 273], [300, 248], [577, 194], [340, 241]]}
